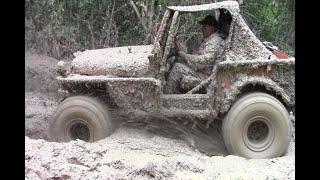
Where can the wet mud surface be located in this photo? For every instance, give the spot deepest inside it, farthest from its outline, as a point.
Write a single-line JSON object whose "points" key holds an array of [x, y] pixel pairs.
{"points": [[140, 149]]}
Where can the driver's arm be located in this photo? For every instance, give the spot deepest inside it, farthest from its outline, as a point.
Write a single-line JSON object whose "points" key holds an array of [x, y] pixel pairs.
{"points": [[199, 62]]}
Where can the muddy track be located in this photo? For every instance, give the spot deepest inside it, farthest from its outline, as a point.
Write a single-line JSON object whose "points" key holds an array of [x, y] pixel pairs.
{"points": [[158, 149]]}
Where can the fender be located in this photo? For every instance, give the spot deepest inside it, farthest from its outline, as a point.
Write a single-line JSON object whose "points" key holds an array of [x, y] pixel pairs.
{"points": [[127, 93], [236, 89]]}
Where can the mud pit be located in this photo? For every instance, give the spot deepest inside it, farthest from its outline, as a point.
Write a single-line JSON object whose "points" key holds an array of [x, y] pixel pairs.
{"points": [[137, 150]]}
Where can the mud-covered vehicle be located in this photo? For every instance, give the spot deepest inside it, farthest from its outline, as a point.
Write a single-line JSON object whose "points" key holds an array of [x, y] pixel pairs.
{"points": [[250, 89]]}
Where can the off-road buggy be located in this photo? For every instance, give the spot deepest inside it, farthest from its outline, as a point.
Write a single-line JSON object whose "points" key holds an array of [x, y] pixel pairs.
{"points": [[250, 89]]}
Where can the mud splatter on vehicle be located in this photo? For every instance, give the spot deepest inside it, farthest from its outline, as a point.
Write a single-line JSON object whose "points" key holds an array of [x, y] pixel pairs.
{"points": [[250, 91]]}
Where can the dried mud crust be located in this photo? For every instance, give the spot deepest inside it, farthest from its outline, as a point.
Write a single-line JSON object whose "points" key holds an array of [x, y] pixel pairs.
{"points": [[126, 61]]}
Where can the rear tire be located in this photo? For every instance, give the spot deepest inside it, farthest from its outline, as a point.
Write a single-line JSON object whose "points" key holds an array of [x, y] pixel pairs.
{"points": [[80, 117], [257, 126]]}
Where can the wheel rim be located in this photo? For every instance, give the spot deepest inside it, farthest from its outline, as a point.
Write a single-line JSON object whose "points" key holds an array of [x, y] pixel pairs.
{"points": [[258, 133], [78, 129]]}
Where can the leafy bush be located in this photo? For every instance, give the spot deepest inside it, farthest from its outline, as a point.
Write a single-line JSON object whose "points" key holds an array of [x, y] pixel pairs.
{"points": [[59, 28]]}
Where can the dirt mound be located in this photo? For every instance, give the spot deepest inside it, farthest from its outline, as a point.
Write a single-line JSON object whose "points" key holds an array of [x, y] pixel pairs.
{"points": [[40, 74], [41, 93]]}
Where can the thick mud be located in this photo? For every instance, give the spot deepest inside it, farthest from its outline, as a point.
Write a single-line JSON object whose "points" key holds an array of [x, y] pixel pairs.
{"points": [[140, 149]]}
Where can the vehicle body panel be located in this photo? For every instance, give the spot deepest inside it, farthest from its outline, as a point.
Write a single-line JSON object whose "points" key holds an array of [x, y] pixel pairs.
{"points": [[132, 77]]}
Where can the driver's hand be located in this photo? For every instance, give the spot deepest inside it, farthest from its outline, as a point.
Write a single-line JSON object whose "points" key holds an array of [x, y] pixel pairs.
{"points": [[181, 53], [177, 44]]}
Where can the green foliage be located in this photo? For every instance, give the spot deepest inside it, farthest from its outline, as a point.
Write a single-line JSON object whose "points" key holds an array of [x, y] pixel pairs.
{"points": [[273, 21], [58, 28]]}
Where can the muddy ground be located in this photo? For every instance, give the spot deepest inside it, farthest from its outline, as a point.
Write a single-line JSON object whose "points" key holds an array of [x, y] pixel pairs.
{"points": [[137, 150]]}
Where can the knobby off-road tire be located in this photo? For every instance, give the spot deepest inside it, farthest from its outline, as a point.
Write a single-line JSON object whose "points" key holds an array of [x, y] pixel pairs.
{"points": [[80, 117], [257, 126]]}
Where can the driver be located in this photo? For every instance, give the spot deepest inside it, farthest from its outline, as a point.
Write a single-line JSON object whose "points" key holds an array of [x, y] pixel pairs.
{"points": [[197, 66]]}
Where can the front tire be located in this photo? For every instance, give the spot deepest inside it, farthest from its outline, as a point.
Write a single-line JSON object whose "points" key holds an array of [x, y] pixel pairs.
{"points": [[257, 126], [80, 117]]}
